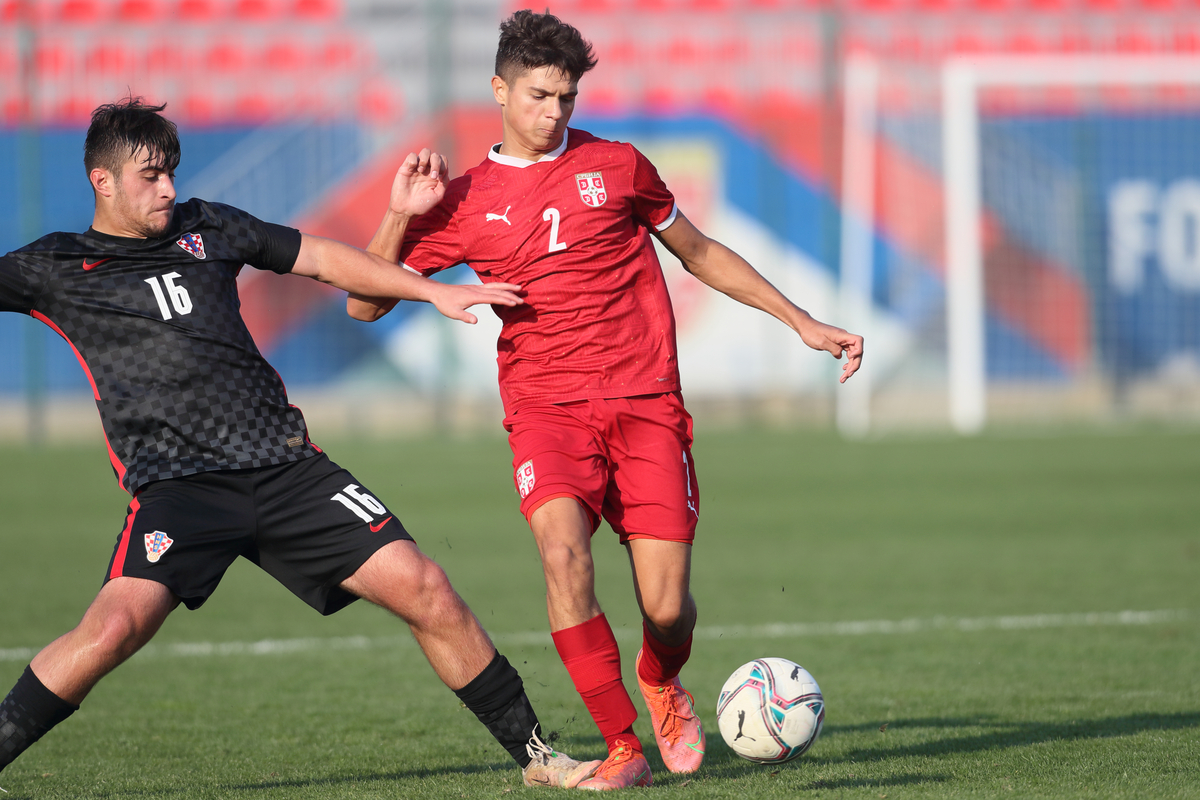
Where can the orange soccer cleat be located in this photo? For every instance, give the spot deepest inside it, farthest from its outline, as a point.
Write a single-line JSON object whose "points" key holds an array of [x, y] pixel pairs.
{"points": [[677, 729], [623, 768]]}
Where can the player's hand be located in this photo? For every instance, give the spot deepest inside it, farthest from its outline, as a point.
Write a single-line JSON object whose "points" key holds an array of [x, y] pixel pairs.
{"points": [[836, 342], [420, 183], [453, 300]]}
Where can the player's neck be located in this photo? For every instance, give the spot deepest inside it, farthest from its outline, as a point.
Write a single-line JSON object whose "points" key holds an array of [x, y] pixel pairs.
{"points": [[513, 146]]}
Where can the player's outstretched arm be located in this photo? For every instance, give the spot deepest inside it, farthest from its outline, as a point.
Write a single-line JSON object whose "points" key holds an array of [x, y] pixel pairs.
{"points": [[420, 184], [728, 273], [367, 275]]}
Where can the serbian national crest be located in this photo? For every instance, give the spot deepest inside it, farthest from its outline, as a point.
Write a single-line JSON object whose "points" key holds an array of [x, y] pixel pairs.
{"points": [[157, 544], [591, 188], [192, 243], [525, 479]]}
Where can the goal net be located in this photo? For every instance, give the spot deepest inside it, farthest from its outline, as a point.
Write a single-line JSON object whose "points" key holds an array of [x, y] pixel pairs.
{"points": [[1021, 238]]}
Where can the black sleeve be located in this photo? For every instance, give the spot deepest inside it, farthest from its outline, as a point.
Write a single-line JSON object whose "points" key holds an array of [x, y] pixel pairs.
{"points": [[280, 247], [17, 289], [262, 245]]}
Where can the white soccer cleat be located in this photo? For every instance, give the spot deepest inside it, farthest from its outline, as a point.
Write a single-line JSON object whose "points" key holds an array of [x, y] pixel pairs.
{"points": [[551, 768]]}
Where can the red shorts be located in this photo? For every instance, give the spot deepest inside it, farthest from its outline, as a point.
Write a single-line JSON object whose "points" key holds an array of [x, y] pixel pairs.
{"points": [[626, 459]]}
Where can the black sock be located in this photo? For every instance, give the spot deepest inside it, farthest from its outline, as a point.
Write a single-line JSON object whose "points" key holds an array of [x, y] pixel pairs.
{"points": [[27, 714], [497, 697]]}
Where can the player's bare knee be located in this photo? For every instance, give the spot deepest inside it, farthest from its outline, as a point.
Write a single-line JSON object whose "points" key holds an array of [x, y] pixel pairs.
{"points": [[117, 635], [565, 563]]}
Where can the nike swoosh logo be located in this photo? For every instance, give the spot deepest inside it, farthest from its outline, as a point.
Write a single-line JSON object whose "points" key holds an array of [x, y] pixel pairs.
{"points": [[377, 528], [696, 744], [87, 266]]}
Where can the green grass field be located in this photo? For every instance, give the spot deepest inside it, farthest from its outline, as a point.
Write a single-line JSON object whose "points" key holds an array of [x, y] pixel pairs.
{"points": [[993, 550]]}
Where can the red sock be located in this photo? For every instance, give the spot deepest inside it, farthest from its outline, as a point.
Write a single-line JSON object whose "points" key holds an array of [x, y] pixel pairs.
{"points": [[660, 663], [589, 652]]}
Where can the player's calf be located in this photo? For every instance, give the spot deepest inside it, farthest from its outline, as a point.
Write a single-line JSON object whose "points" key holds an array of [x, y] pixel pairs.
{"points": [[27, 714]]}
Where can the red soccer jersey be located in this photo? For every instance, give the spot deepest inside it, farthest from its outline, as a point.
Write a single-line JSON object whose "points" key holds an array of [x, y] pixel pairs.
{"points": [[573, 230]]}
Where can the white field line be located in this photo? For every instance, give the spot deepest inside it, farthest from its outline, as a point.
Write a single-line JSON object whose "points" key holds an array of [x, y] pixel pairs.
{"points": [[771, 631]]}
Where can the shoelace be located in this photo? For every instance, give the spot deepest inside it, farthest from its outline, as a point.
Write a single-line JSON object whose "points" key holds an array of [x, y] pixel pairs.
{"points": [[616, 759], [536, 748], [672, 719]]}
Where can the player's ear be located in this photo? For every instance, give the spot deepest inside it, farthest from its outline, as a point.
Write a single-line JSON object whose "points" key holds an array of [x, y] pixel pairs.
{"points": [[102, 181], [499, 89]]}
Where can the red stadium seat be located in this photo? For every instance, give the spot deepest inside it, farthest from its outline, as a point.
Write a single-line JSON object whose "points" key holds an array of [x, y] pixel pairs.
{"points": [[1186, 40], [110, 57], [166, 58], [340, 53], [200, 107], [316, 10], [140, 12], [53, 59], [1161, 6], [255, 10], [254, 106], [80, 12], [1048, 6], [1103, 6], [683, 52], [1023, 41], [198, 10], [284, 56], [75, 108], [379, 103], [226, 56], [1132, 40]]}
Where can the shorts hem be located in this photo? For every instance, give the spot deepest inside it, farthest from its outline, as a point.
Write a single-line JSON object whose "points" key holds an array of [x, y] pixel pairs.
{"points": [[682, 538], [541, 501]]}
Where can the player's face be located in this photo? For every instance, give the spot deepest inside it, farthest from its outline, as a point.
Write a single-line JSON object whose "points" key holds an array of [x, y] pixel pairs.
{"points": [[536, 108], [143, 197]]}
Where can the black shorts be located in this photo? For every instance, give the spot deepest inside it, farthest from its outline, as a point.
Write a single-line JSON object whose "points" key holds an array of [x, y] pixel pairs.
{"points": [[308, 523]]}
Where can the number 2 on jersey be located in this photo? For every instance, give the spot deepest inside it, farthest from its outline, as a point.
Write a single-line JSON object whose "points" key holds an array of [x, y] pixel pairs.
{"points": [[551, 214]]}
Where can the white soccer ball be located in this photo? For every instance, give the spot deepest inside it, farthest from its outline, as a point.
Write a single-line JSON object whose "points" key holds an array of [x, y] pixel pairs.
{"points": [[770, 710]]}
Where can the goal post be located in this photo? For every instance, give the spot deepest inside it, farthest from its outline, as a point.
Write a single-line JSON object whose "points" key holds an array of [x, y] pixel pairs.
{"points": [[962, 80]]}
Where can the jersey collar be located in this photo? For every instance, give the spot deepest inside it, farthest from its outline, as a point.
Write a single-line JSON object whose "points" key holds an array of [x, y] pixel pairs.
{"points": [[520, 163]]}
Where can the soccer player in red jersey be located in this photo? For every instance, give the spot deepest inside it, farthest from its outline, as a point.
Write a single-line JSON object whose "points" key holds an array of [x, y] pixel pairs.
{"points": [[588, 370]]}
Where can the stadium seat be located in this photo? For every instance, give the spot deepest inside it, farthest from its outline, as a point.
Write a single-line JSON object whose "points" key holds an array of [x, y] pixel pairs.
{"points": [[316, 10], [284, 56], [53, 59], [339, 53], [255, 10], [200, 107], [1186, 40], [254, 106], [80, 12], [622, 51], [732, 50], [226, 56], [110, 58], [140, 12], [682, 52], [198, 10], [31, 11], [166, 59], [378, 103], [75, 108]]}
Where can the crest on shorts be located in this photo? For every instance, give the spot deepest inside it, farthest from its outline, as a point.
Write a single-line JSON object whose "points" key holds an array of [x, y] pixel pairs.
{"points": [[157, 544], [192, 243], [591, 188], [525, 479]]}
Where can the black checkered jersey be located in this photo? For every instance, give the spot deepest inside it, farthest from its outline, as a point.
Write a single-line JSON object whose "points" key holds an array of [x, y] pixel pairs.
{"points": [[156, 325]]}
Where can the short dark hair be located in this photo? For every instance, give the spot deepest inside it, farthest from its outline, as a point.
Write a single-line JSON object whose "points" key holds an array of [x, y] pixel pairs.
{"points": [[121, 129], [529, 41]]}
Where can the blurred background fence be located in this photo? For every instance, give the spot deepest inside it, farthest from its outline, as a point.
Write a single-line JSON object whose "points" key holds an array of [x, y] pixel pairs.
{"points": [[1003, 195]]}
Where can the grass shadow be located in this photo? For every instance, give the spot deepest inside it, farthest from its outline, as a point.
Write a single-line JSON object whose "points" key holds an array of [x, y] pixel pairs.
{"points": [[1004, 734]]}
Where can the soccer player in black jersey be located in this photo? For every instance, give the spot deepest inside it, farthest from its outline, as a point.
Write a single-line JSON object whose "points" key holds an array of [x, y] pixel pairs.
{"points": [[202, 436]]}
